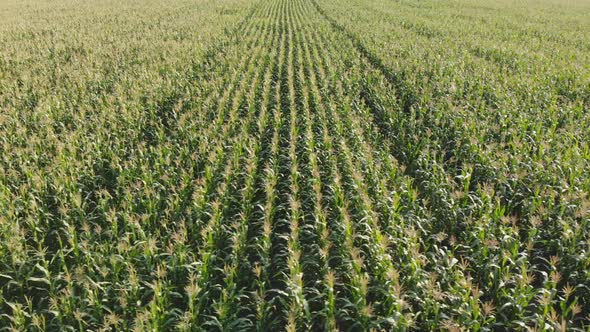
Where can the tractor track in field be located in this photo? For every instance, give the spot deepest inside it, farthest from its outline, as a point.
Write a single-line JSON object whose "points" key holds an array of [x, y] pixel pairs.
{"points": [[286, 176], [288, 255], [293, 33]]}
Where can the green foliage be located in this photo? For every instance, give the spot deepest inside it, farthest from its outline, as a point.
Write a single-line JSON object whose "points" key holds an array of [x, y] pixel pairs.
{"points": [[294, 165]]}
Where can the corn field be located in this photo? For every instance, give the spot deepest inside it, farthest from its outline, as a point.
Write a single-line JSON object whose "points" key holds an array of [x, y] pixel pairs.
{"points": [[294, 165]]}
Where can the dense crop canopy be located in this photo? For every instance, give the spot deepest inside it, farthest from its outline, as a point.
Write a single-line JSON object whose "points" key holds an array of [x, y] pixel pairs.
{"points": [[229, 165]]}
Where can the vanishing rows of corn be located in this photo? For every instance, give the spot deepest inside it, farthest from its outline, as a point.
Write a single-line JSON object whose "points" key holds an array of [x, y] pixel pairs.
{"points": [[293, 181], [494, 130]]}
